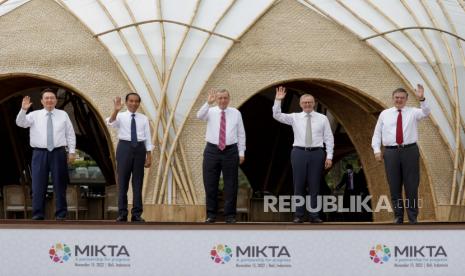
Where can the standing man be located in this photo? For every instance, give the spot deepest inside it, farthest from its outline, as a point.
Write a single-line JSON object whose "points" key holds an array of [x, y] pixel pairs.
{"points": [[224, 152], [132, 154], [396, 130], [311, 130], [51, 131]]}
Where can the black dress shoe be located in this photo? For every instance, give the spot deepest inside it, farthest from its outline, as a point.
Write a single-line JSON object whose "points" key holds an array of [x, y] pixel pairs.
{"points": [[38, 218], [210, 220], [298, 220], [137, 219], [415, 221], [60, 218], [121, 219], [316, 220], [230, 220], [398, 220]]}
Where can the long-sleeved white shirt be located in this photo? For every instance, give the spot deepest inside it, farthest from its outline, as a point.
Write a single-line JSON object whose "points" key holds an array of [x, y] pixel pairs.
{"points": [[63, 131], [321, 129], [235, 132], [123, 124], [385, 130]]}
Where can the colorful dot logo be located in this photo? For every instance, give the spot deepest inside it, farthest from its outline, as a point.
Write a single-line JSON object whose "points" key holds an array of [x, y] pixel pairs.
{"points": [[221, 254], [60, 253], [380, 254]]}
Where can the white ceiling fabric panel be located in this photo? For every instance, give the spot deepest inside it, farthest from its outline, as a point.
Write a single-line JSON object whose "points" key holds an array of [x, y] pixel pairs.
{"points": [[11, 5], [414, 65]]}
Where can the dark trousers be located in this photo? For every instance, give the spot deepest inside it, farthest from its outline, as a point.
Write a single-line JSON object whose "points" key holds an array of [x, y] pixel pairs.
{"points": [[130, 161], [216, 161], [402, 167], [307, 168], [44, 162]]}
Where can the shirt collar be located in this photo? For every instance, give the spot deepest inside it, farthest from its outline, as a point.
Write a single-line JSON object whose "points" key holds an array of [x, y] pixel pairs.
{"points": [[305, 113], [46, 111]]}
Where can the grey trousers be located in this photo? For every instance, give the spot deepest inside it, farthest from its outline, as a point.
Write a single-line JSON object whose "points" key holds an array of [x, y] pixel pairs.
{"points": [[403, 168]]}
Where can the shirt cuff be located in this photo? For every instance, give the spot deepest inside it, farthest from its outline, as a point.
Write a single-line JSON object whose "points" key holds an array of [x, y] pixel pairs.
{"points": [[241, 153]]}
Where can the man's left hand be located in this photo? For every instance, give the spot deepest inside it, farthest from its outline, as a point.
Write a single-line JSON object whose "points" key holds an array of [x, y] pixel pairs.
{"points": [[241, 160], [420, 92], [148, 160], [71, 158], [328, 163]]}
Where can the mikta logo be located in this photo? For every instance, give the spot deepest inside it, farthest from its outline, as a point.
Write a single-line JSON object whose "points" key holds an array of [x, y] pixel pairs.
{"points": [[380, 254], [59, 253], [221, 254]]}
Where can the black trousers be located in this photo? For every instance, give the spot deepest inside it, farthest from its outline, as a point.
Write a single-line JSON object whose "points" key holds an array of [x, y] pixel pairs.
{"points": [[216, 161], [44, 162], [307, 168], [403, 168], [130, 161]]}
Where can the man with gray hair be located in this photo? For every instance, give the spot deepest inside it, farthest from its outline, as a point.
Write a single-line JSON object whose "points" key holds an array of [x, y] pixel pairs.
{"points": [[225, 137], [311, 130]]}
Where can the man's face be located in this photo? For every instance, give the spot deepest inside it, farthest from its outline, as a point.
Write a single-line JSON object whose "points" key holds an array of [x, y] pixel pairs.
{"points": [[133, 103], [222, 98], [49, 101], [399, 99], [307, 103]]}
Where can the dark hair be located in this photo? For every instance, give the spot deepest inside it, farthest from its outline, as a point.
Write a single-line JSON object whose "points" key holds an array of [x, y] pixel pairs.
{"points": [[48, 90], [349, 167], [132, 93], [400, 90]]}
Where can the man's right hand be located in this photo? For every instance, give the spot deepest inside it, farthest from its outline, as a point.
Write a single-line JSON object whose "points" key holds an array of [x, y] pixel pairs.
{"points": [[117, 104], [280, 93], [211, 96], [26, 104], [379, 157]]}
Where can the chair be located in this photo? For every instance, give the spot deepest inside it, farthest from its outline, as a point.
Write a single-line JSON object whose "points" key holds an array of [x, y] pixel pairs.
{"points": [[75, 203], [244, 194], [111, 200], [14, 199]]}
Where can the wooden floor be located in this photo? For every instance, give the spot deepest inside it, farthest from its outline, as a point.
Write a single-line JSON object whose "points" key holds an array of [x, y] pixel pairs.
{"points": [[107, 225]]}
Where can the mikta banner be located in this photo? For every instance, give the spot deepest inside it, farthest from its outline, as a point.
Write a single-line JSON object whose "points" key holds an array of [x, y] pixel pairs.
{"points": [[231, 252]]}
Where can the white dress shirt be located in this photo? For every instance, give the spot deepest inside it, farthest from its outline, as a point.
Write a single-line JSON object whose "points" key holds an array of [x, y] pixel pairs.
{"points": [[123, 124], [63, 132], [321, 130], [385, 130], [235, 132]]}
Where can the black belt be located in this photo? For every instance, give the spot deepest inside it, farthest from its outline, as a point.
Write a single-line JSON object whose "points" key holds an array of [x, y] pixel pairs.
{"points": [[129, 142], [309, 148], [225, 148], [45, 149], [401, 146]]}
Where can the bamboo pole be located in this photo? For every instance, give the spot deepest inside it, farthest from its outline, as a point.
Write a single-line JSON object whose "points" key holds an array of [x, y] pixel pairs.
{"points": [[190, 26], [455, 105], [179, 92], [159, 77], [164, 96]]}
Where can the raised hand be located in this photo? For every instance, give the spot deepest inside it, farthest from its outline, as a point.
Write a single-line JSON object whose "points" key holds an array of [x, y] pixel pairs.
{"points": [[211, 96], [280, 93], [420, 92], [26, 104], [117, 104]]}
